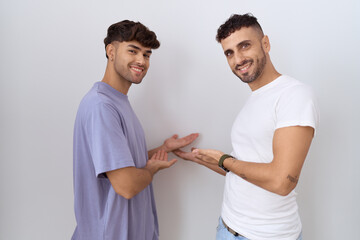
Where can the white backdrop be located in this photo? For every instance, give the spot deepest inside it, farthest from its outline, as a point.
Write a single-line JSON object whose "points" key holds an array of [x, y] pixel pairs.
{"points": [[52, 53]]}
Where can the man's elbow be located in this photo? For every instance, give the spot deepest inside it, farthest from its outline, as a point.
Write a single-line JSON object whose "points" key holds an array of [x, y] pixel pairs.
{"points": [[127, 196], [285, 191], [284, 188], [126, 193]]}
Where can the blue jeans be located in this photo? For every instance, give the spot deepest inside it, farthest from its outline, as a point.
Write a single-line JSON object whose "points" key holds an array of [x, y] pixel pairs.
{"points": [[223, 234]]}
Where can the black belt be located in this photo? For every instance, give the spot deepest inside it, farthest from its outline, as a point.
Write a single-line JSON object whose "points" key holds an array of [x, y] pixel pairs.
{"points": [[231, 231]]}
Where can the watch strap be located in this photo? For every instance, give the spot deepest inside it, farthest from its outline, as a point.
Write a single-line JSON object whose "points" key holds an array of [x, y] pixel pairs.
{"points": [[221, 161]]}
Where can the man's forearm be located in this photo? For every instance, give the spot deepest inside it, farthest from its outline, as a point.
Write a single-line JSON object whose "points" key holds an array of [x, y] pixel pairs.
{"points": [[213, 167], [268, 176], [128, 182]]}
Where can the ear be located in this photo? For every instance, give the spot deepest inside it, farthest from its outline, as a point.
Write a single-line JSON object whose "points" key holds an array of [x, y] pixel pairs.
{"points": [[110, 51], [266, 43]]}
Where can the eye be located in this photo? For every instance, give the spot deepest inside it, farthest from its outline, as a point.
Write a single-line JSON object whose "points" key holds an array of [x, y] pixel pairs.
{"points": [[132, 51], [146, 56], [228, 53], [245, 45]]}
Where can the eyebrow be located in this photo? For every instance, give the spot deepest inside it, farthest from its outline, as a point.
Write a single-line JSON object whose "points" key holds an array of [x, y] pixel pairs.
{"points": [[242, 43], [136, 47], [237, 46]]}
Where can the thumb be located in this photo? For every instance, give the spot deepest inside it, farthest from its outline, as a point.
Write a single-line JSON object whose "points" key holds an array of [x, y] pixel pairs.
{"points": [[199, 151], [196, 150], [172, 162]]}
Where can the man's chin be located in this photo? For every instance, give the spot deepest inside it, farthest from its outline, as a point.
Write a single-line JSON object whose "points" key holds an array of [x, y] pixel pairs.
{"points": [[137, 81], [245, 79]]}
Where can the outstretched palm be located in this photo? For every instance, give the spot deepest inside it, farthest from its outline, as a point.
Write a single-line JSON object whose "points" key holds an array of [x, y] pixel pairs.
{"points": [[174, 142]]}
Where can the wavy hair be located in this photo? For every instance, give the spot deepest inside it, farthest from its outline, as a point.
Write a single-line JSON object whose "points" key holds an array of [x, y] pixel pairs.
{"points": [[127, 30]]}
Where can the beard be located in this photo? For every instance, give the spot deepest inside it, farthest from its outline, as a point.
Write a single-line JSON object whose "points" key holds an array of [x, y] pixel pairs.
{"points": [[260, 65]]}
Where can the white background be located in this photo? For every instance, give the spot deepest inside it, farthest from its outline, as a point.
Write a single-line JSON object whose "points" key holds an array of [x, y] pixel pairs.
{"points": [[51, 53]]}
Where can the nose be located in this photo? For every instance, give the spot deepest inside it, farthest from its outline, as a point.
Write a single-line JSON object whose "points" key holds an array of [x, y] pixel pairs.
{"points": [[140, 59], [239, 58]]}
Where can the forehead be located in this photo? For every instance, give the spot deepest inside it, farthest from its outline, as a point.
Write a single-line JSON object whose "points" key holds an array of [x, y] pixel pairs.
{"points": [[243, 34], [133, 44]]}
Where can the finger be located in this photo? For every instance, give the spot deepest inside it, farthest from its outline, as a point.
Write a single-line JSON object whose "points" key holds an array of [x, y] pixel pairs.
{"points": [[179, 153], [190, 138], [171, 162], [184, 155], [154, 156], [164, 156], [175, 136], [160, 155]]}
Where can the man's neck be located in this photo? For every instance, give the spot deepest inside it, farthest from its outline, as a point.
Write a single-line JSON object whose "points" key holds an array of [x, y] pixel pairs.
{"points": [[116, 82], [269, 74]]}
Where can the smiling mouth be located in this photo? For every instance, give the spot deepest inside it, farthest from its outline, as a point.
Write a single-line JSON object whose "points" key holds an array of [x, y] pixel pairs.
{"points": [[137, 69], [244, 68]]}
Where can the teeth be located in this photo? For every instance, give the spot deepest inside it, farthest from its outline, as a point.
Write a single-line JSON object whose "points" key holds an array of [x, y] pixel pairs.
{"points": [[137, 69], [242, 69], [245, 68]]}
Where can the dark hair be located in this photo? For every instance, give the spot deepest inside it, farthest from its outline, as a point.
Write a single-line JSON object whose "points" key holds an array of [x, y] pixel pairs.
{"points": [[236, 22], [126, 31]]}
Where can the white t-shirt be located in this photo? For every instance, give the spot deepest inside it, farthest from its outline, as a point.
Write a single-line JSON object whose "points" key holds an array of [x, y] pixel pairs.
{"points": [[248, 209]]}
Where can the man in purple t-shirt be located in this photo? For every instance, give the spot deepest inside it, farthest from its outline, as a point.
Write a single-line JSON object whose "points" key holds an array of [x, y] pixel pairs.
{"points": [[113, 169]]}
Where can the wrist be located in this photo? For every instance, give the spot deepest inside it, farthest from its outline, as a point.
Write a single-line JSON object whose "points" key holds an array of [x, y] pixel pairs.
{"points": [[221, 161], [152, 169], [163, 147]]}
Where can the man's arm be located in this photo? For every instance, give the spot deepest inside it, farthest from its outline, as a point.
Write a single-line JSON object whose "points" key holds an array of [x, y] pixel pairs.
{"points": [[290, 147], [129, 181], [174, 143]]}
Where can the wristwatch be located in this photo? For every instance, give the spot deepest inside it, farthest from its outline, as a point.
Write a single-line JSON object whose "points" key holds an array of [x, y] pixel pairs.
{"points": [[221, 161]]}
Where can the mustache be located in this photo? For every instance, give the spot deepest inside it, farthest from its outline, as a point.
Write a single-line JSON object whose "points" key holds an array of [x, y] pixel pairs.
{"points": [[243, 63], [138, 65]]}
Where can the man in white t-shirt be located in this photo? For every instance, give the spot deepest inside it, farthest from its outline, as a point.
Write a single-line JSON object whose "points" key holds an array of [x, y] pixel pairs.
{"points": [[270, 137]]}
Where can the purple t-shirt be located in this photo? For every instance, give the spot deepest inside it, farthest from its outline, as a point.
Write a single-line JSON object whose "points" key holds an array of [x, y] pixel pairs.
{"points": [[109, 136]]}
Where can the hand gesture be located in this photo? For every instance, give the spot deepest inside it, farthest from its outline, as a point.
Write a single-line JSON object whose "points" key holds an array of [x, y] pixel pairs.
{"points": [[208, 159], [174, 142], [189, 156], [159, 161], [208, 155]]}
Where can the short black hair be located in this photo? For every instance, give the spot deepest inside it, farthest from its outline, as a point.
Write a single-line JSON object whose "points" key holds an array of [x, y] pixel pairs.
{"points": [[127, 30], [236, 22]]}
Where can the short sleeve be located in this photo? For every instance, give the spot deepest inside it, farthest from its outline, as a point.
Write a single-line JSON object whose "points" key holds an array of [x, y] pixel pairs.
{"points": [[108, 144], [297, 106]]}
